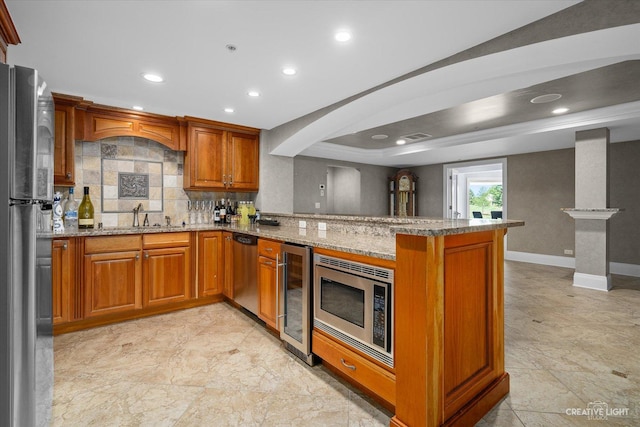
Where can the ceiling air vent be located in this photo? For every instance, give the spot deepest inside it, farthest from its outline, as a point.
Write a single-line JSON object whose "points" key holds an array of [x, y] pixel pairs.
{"points": [[415, 137]]}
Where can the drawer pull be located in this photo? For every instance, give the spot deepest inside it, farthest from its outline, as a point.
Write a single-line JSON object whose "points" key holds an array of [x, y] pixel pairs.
{"points": [[268, 249], [268, 262], [346, 365]]}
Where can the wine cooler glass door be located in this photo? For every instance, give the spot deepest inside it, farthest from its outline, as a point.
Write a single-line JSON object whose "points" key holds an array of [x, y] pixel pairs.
{"points": [[295, 300]]}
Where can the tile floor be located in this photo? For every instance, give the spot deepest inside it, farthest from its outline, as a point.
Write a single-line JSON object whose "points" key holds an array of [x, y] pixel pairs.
{"points": [[566, 348]]}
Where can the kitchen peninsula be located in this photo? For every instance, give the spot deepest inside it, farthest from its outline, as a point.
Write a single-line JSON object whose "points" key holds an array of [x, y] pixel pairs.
{"points": [[448, 298]]}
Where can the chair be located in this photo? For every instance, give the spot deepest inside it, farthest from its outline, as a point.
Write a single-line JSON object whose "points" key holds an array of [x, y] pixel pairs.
{"points": [[496, 214], [477, 214]]}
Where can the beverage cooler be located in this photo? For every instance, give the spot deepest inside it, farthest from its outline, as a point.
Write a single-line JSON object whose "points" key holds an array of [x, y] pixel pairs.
{"points": [[295, 300]]}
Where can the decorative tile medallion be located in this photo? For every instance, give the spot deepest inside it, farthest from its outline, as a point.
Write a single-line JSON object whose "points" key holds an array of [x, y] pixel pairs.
{"points": [[133, 185], [127, 183]]}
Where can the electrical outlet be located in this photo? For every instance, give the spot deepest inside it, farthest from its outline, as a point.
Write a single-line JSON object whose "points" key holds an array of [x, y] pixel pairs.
{"points": [[568, 251], [302, 224], [322, 226], [317, 205]]}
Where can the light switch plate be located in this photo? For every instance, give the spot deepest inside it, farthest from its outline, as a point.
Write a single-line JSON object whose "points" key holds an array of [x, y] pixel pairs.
{"points": [[317, 205], [322, 226]]}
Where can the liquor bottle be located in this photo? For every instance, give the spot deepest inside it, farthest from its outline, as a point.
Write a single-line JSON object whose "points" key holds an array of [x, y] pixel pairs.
{"points": [[223, 212], [71, 213], [85, 211], [216, 214], [58, 225]]}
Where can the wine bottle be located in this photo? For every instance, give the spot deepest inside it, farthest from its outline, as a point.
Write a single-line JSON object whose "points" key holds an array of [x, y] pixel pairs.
{"points": [[216, 214], [85, 211], [223, 212]]}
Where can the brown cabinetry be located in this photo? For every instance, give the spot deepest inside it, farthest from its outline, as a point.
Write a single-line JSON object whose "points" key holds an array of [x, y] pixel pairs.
{"points": [[355, 367], [166, 271], [8, 33], [210, 263], [64, 141], [112, 274], [268, 304], [63, 265], [219, 158], [104, 122]]}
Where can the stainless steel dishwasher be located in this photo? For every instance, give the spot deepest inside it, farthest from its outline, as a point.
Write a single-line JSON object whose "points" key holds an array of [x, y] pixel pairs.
{"points": [[245, 271]]}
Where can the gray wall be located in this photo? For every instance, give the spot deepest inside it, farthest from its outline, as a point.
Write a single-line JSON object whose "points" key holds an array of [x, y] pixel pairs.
{"points": [[343, 190], [310, 172], [624, 192], [538, 186], [430, 190], [276, 179]]}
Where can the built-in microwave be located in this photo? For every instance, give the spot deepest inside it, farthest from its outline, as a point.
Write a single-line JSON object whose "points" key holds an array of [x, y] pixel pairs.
{"points": [[353, 303]]}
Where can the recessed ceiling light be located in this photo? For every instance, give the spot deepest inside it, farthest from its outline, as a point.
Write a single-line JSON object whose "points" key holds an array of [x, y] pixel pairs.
{"points": [[137, 108], [229, 110], [289, 71], [543, 99], [380, 136], [560, 110], [154, 78], [253, 93], [401, 142], [343, 36]]}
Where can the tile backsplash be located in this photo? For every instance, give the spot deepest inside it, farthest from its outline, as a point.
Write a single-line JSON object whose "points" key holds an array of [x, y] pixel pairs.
{"points": [[108, 165]]}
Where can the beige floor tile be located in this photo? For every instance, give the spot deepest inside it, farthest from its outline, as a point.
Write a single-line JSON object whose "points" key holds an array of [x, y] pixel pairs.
{"points": [[214, 365]]}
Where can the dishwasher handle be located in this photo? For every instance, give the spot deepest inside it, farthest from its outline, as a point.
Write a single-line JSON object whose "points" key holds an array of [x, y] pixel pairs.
{"points": [[245, 239]]}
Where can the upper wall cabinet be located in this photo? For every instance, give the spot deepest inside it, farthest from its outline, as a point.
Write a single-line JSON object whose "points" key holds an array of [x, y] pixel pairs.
{"points": [[104, 122], [64, 155], [8, 33], [221, 157]]}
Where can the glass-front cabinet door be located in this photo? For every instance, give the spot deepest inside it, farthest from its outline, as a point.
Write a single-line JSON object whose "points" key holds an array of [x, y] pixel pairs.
{"points": [[296, 297]]}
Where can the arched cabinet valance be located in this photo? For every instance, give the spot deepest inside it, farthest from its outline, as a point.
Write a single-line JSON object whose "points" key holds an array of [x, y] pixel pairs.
{"points": [[104, 122]]}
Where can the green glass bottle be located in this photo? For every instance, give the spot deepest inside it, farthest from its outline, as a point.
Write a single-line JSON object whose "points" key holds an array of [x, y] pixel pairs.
{"points": [[85, 211]]}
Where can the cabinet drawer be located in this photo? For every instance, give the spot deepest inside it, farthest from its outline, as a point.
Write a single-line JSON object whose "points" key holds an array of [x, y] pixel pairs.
{"points": [[166, 240], [352, 365], [268, 248], [95, 245]]}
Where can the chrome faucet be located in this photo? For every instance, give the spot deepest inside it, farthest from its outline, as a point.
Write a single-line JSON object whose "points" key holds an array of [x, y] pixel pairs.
{"points": [[136, 211]]}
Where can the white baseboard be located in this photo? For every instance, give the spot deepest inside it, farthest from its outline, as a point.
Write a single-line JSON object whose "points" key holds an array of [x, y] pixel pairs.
{"points": [[557, 261], [569, 262], [592, 281], [624, 269]]}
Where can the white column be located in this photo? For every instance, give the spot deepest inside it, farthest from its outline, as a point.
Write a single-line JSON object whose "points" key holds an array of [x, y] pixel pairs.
{"points": [[591, 211]]}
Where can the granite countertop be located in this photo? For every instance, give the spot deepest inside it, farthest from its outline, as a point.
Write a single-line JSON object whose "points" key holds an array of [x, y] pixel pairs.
{"points": [[374, 245]]}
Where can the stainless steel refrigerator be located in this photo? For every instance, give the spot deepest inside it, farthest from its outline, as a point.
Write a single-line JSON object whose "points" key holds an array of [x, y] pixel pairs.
{"points": [[26, 184]]}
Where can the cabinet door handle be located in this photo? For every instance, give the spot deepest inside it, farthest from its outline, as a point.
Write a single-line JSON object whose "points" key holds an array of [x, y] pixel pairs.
{"points": [[277, 320], [224, 180], [146, 255], [346, 365], [65, 245], [230, 180], [137, 257], [68, 175]]}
